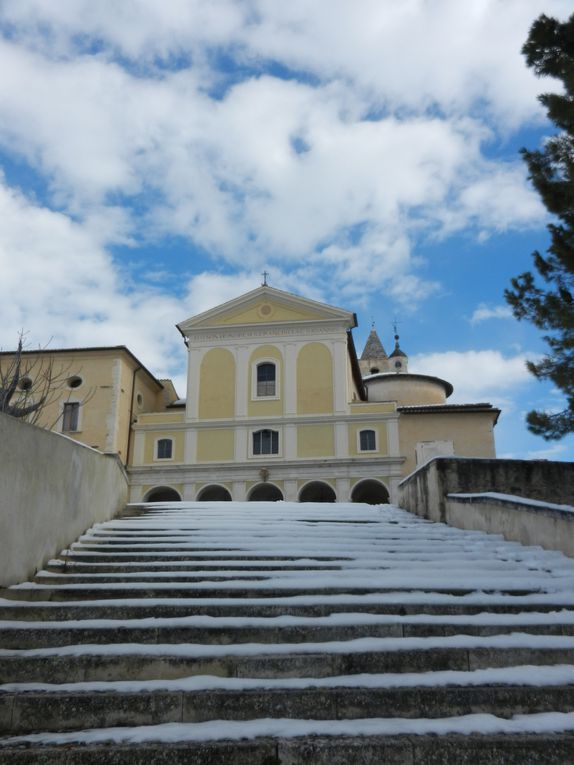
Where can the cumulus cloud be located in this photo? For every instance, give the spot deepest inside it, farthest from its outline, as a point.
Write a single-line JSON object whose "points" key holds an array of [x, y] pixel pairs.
{"points": [[273, 166], [477, 375]]}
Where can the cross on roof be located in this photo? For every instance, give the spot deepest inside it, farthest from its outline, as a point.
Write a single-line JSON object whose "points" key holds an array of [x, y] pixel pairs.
{"points": [[264, 275]]}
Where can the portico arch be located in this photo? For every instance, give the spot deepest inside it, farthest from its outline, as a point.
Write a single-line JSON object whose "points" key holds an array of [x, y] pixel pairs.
{"points": [[214, 493], [265, 492], [162, 494], [317, 491], [370, 492]]}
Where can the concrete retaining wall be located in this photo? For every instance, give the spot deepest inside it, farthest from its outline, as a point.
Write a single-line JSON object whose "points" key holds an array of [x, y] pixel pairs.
{"points": [[51, 490], [426, 493], [548, 527]]}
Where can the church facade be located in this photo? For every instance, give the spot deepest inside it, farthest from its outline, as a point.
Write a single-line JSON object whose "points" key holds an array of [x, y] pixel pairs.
{"points": [[278, 406]]}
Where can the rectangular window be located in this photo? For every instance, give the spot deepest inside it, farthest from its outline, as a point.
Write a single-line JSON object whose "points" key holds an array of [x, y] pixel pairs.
{"points": [[70, 417], [368, 441], [266, 442], [266, 380], [164, 448]]}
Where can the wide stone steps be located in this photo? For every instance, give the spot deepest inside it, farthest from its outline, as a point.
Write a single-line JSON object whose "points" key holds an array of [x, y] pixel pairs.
{"points": [[323, 633]]}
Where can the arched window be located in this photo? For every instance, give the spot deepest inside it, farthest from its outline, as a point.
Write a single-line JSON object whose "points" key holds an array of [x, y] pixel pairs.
{"points": [[266, 442], [266, 379], [367, 441], [164, 449]]}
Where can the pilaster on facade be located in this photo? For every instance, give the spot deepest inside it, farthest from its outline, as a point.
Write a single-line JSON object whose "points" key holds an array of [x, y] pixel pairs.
{"points": [[242, 394], [189, 492], [341, 439], [340, 362], [238, 491], [195, 356], [393, 436], [291, 490], [290, 355], [343, 489], [139, 447], [190, 446], [290, 444], [241, 436]]}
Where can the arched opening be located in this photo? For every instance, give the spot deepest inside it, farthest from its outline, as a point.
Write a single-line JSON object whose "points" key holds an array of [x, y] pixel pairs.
{"points": [[265, 492], [162, 494], [214, 493], [317, 491], [370, 492]]}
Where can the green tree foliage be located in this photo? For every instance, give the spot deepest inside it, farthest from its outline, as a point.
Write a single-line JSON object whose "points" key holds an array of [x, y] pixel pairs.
{"points": [[547, 300]]}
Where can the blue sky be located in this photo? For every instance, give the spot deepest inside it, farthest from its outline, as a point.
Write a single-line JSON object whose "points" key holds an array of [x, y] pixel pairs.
{"points": [[157, 157]]}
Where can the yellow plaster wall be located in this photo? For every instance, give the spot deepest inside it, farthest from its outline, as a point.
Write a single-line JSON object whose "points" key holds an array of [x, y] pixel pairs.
{"points": [[471, 433], [315, 441], [161, 418], [371, 408], [217, 385], [215, 445], [381, 430], [266, 311], [149, 446], [314, 380], [266, 407], [95, 395]]}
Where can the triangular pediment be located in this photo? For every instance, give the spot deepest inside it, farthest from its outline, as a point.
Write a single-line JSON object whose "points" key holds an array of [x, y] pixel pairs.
{"points": [[266, 305]]}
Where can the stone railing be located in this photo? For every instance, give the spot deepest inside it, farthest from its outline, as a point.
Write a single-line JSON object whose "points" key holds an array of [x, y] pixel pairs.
{"points": [[525, 501]]}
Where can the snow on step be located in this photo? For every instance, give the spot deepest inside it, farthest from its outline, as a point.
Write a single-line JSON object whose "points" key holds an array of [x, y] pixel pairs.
{"points": [[321, 600]]}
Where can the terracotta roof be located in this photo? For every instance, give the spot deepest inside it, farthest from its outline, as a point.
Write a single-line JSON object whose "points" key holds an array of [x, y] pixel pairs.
{"points": [[112, 348]]}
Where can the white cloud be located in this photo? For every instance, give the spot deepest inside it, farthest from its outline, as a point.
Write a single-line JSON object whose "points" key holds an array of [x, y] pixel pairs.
{"points": [[477, 375], [484, 312], [550, 453], [61, 286], [398, 55]]}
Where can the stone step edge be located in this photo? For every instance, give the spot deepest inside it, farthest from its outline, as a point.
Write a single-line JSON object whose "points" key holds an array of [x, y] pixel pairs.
{"points": [[280, 728], [522, 675], [558, 619], [392, 645]]}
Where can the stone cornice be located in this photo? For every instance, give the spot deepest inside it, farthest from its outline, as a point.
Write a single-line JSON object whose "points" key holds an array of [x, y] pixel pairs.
{"points": [[251, 422], [278, 330]]}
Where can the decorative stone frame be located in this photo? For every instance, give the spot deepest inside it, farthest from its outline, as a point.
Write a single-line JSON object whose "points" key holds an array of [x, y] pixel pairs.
{"points": [[254, 365], [367, 451]]}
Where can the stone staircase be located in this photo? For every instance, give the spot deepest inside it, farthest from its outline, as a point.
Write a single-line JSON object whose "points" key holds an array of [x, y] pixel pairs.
{"points": [[289, 633]]}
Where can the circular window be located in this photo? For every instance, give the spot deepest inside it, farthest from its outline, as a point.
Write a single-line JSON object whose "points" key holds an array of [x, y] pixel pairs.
{"points": [[74, 382], [265, 310], [139, 400], [398, 365], [374, 371], [25, 384]]}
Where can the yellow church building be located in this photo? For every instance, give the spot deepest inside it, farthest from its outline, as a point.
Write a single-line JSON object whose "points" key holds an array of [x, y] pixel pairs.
{"points": [[278, 406]]}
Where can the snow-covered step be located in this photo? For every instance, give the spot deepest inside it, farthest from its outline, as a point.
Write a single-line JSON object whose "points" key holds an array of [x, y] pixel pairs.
{"points": [[289, 624], [68, 709], [543, 739], [128, 661], [245, 629]]}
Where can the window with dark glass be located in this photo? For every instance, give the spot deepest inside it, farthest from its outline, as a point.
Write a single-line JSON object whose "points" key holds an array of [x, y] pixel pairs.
{"points": [[164, 448], [266, 442], [71, 416], [266, 379], [368, 441]]}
